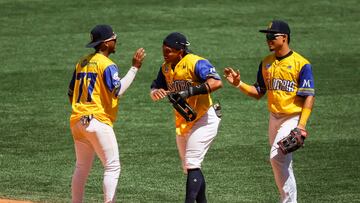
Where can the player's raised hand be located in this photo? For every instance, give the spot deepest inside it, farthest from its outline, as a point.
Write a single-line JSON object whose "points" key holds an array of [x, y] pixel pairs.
{"points": [[157, 94], [233, 77], [138, 58]]}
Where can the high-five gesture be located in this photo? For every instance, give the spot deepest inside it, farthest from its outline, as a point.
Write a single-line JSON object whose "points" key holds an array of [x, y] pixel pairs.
{"points": [[233, 77], [138, 58]]}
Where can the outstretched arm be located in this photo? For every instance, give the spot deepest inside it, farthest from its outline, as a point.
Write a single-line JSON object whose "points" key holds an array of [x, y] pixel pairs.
{"points": [[208, 77], [233, 77], [126, 81], [210, 85], [213, 84]]}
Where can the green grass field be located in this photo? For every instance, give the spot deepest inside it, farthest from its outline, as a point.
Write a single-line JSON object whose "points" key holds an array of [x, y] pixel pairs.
{"points": [[41, 40]]}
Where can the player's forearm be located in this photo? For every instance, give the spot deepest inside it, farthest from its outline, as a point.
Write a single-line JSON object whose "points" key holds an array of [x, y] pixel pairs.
{"points": [[213, 84], [207, 87], [127, 80], [306, 111], [249, 90]]}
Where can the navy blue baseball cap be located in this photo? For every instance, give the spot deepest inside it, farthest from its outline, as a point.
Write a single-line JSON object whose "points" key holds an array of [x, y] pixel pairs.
{"points": [[177, 41], [277, 26], [99, 34]]}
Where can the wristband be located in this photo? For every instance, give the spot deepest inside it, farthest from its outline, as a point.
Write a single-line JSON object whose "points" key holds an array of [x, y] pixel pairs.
{"points": [[245, 87], [133, 69], [238, 86], [199, 89]]}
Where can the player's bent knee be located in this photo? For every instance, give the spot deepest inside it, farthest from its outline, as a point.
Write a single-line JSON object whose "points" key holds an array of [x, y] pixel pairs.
{"points": [[113, 166], [277, 158]]}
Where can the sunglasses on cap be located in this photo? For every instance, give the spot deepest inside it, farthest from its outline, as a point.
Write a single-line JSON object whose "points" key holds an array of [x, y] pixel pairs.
{"points": [[272, 36], [113, 38]]}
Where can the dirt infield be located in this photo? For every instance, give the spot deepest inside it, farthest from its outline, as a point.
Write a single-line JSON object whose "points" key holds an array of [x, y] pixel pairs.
{"points": [[13, 201]]}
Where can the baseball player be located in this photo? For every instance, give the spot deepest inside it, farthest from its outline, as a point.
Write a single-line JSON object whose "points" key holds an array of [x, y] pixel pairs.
{"points": [[193, 78], [94, 91], [287, 79]]}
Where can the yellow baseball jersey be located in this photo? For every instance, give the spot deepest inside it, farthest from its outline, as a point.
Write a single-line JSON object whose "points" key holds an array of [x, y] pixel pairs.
{"points": [[191, 70], [287, 81], [93, 88]]}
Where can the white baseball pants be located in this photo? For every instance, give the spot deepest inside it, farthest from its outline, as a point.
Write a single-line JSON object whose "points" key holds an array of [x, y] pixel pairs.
{"points": [[96, 138], [280, 127], [193, 146]]}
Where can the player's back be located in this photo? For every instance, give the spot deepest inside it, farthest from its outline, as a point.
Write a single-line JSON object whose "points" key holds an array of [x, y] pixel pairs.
{"points": [[90, 94]]}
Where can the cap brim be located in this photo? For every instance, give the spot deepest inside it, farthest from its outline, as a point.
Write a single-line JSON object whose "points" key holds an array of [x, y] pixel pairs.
{"points": [[93, 44], [269, 31]]}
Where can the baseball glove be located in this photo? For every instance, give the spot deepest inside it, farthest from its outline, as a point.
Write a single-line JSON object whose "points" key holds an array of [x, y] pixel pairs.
{"points": [[293, 141], [182, 107]]}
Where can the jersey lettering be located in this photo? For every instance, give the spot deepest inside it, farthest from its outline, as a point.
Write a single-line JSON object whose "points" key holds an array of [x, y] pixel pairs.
{"points": [[279, 84], [285, 84], [178, 85]]}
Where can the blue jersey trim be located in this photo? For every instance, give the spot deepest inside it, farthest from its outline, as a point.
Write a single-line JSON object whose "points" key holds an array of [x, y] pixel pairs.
{"points": [[160, 81], [72, 84], [260, 84], [111, 77], [204, 70], [306, 81]]}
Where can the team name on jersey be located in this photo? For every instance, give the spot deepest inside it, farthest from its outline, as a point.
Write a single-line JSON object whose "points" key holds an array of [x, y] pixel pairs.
{"points": [[178, 85], [281, 84], [89, 64]]}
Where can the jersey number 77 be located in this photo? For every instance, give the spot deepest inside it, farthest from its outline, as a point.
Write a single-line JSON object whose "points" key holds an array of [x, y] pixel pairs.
{"points": [[86, 84]]}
